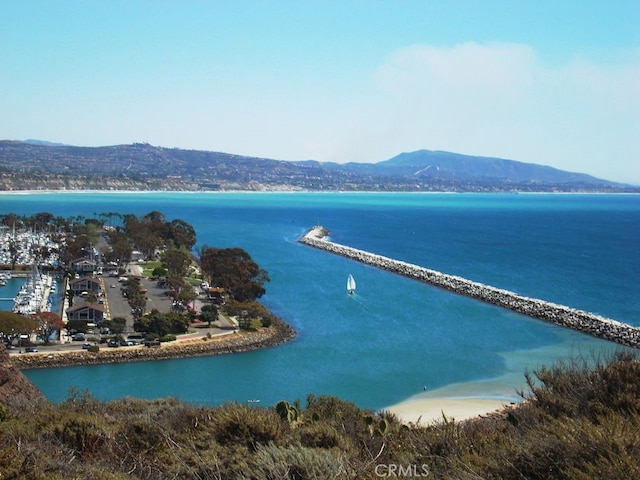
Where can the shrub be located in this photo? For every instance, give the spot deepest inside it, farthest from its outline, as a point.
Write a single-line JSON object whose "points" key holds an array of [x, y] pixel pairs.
{"points": [[83, 434], [294, 462], [250, 426], [577, 423], [321, 435]]}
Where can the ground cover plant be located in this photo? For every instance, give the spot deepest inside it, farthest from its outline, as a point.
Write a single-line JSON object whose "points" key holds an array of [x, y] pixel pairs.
{"points": [[580, 420]]}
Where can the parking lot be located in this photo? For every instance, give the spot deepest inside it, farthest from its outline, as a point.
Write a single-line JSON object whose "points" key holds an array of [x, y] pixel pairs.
{"points": [[117, 305]]}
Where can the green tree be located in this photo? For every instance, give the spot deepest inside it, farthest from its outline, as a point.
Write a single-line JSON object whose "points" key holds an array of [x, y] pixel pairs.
{"points": [[147, 243], [209, 314], [116, 325], [41, 220], [93, 230], [154, 218], [176, 262], [234, 270], [186, 294], [244, 320], [161, 324], [10, 220], [135, 296], [12, 324], [121, 249], [74, 246], [159, 272], [47, 323], [182, 234], [77, 326], [13, 253]]}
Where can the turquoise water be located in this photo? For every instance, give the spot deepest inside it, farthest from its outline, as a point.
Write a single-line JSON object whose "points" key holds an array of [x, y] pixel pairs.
{"points": [[395, 335]]}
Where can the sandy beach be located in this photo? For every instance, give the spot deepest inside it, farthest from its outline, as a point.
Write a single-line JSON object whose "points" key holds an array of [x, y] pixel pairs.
{"points": [[428, 410], [460, 401]]}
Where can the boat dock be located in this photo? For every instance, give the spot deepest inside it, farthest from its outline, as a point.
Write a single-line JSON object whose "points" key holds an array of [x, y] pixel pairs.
{"points": [[561, 315]]}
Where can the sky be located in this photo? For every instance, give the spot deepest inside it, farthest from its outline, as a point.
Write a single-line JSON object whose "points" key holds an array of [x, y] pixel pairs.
{"points": [[548, 82]]}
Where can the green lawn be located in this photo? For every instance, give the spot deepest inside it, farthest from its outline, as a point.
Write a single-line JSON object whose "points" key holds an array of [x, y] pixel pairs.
{"points": [[148, 267]]}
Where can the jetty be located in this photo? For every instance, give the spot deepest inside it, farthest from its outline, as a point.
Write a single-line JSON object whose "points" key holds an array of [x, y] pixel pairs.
{"points": [[585, 322]]}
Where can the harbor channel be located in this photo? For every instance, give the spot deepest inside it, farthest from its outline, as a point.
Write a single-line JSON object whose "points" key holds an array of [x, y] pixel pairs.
{"points": [[585, 322]]}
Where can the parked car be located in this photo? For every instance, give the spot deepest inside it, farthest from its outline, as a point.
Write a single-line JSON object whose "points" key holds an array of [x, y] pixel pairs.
{"points": [[113, 344]]}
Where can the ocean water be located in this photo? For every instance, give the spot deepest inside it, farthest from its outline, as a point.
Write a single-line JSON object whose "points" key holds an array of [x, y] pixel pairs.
{"points": [[395, 336]]}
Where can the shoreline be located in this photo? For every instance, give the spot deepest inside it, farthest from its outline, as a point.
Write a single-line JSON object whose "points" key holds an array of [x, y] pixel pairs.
{"points": [[277, 334], [461, 401], [303, 191], [427, 411]]}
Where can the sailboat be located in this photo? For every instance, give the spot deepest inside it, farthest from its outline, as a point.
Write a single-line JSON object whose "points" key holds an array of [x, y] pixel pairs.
{"points": [[351, 285]]}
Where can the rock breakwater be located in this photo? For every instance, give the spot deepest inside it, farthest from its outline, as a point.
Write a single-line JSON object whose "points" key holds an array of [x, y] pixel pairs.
{"points": [[561, 315], [279, 332]]}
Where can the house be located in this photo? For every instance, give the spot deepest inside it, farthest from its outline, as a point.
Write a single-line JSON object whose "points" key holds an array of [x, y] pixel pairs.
{"points": [[82, 266], [86, 312], [85, 284]]}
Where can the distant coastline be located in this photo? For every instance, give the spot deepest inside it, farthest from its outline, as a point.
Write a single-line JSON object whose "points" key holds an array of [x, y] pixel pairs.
{"points": [[295, 192], [141, 166]]}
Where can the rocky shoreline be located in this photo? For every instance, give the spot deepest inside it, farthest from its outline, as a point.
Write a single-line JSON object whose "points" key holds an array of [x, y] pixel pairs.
{"points": [[561, 315], [278, 333]]}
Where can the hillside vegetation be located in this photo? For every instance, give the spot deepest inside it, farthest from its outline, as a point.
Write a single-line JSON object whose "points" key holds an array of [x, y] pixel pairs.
{"points": [[28, 166], [580, 422]]}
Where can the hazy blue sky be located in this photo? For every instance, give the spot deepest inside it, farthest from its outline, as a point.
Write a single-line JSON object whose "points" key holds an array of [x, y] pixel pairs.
{"points": [[549, 82]]}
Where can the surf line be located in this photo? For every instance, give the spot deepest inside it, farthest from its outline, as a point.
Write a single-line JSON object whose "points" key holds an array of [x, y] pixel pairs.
{"points": [[585, 322]]}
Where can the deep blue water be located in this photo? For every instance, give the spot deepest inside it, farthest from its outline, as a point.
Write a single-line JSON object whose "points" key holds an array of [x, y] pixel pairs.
{"points": [[395, 335]]}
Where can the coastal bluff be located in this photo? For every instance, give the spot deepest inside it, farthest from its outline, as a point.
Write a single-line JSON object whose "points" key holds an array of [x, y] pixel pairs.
{"points": [[14, 386], [561, 315]]}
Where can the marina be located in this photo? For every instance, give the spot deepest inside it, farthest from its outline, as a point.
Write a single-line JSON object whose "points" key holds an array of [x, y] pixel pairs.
{"points": [[28, 257], [34, 295], [18, 247]]}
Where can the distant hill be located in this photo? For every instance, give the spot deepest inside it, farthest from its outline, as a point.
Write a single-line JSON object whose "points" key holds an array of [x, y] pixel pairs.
{"points": [[427, 163], [44, 142], [33, 165]]}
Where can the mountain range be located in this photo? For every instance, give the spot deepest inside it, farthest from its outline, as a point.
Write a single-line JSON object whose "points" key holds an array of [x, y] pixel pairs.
{"points": [[37, 165]]}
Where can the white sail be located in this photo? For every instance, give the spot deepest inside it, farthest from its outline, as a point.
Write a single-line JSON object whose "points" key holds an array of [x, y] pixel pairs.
{"points": [[351, 284]]}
